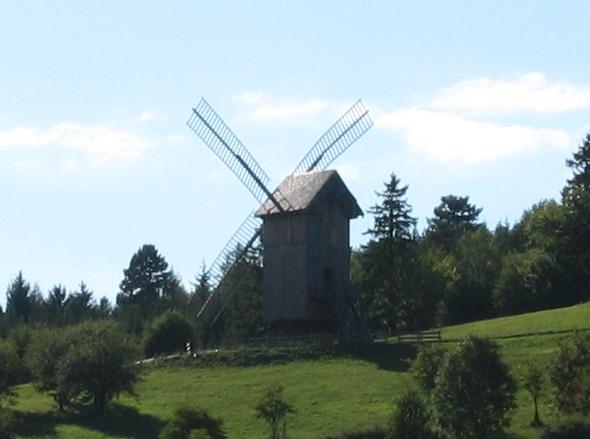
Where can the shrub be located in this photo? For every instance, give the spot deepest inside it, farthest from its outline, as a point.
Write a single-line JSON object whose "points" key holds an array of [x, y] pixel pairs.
{"points": [[570, 376], [10, 369], [273, 409], [575, 430], [98, 365], [533, 381], [474, 391], [20, 337], [193, 423], [47, 348], [7, 423], [168, 334], [410, 418], [426, 366]]}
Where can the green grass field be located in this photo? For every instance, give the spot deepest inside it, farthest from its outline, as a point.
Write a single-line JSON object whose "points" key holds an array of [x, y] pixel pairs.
{"points": [[351, 392]]}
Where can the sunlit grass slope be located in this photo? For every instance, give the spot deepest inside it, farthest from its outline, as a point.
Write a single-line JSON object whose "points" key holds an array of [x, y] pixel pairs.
{"points": [[351, 392]]}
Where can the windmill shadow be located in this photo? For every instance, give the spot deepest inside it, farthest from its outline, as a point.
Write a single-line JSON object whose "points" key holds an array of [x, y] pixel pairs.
{"points": [[387, 356], [118, 421]]}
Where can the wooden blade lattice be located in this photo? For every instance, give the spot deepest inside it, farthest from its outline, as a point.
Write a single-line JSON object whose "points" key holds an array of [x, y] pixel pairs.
{"points": [[343, 133], [213, 131], [241, 242]]}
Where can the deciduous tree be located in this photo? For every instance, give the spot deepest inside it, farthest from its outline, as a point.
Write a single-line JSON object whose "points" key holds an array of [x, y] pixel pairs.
{"points": [[474, 392]]}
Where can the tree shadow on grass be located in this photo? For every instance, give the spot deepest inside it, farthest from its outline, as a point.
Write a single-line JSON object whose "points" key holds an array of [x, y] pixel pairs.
{"points": [[387, 356], [118, 421]]}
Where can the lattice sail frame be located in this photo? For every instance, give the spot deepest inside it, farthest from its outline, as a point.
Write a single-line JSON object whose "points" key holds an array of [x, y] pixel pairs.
{"points": [[243, 239], [213, 131], [343, 133]]}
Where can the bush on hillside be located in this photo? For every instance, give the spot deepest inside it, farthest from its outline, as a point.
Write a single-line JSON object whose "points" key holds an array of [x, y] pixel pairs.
{"points": [[474, 392], [410, 419], [426, 365], [375, 433], [168, 334], [10, 370], [20, 337], [47, 349], [7, 423], [533, 381], [570, 375], [273, 409], [98, 365], [193, 423]]}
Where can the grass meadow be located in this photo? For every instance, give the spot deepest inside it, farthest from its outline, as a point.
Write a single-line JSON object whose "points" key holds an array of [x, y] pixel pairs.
{"points": [[351, 391]]}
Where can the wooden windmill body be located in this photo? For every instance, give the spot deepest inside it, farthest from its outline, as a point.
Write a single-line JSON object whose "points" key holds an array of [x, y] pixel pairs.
{"points": [[307, 248], [305, 225]]}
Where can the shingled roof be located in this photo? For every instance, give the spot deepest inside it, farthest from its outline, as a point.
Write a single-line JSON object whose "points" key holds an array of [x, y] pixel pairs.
{"points": [[299, 192]]}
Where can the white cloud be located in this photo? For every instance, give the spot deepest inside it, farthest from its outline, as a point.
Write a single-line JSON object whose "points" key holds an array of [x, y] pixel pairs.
{"points": [[263, 108], [529, 93], [450, 138], [75, 144], [149, 116]]}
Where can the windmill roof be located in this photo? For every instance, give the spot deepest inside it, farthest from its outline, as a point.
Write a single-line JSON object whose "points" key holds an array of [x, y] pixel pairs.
{"points": [[299, 192]]}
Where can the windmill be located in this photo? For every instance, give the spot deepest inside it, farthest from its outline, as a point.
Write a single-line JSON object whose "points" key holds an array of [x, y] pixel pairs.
{"points": [[304, 223]]}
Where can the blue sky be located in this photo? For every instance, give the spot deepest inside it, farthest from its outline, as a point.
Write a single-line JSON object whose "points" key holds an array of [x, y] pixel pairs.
{"points": [[485, 99]]}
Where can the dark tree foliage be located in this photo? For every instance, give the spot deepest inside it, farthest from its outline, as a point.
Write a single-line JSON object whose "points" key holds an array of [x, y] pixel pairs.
{"points": [[174, 296], [168, 334], [392, 219], [273, 409], [410, 419], [145, 279], [80, 305], [387, 270], [426, 366], [18, 305], [201, 291], [454, 217], [189, 423], [55, 304], [533, 381], [104, 307], [98, 365], [580, 166], [510, 238], [476, 262], [576, 200], [570, 376], [241, 296], [10, 370], [474, 392], [47, 349]]}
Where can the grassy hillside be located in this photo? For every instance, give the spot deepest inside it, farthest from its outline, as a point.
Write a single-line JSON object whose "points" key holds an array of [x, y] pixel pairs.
{"points": [[353, 391], [554, 320]]}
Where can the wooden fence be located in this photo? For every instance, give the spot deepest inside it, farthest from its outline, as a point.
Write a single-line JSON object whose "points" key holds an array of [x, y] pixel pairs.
{"points": [[430, 336]]}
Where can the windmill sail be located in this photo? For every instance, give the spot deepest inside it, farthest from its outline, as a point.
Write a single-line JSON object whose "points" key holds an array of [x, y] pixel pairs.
{"points": [[343, 133], [213, 131], [237, 247]]}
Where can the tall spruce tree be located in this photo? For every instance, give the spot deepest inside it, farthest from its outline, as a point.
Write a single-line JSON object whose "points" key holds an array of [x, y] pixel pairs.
{"points": [[385, 267], [580, 166], [18, 304], [576, 200], [392, 219]]}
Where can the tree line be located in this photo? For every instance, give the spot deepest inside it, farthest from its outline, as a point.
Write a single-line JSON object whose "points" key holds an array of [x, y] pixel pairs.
{"points": [[458, 270]]}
